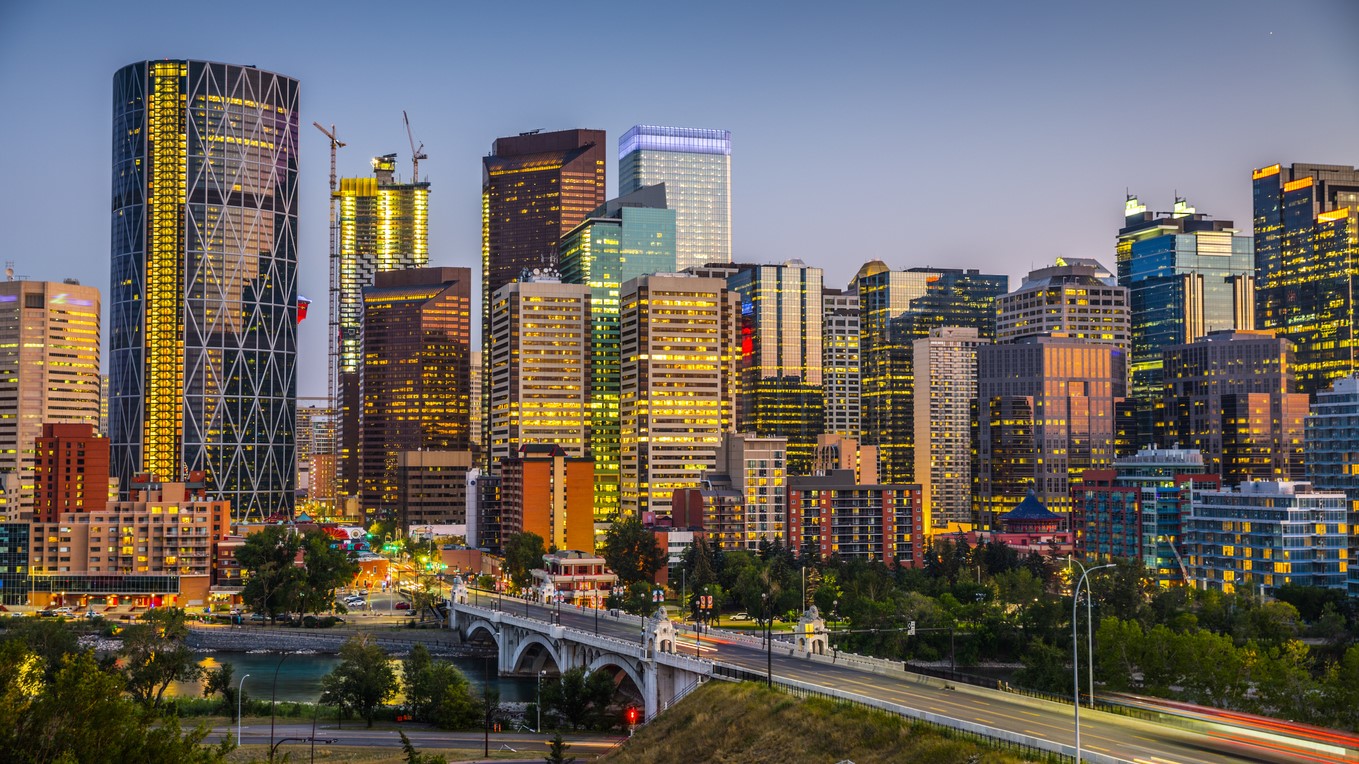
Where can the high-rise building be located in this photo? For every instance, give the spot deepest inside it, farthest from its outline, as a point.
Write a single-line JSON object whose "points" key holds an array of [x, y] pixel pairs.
{"points": [[49, 373], [383, 225], [1233, 396], [1075, 298], [833, 515], [1134, 510], [1186, 276], [203, 304], [71, 471], [781, 389], [14, 551], [630, 236], [837, 452], [840, 380], [945, 424], [695, 165], [678, 339], [1265, 535], [478, 431], [1332, 452], [432, 488], [1307, 265], [546, 491], [1046, 414], [540, 366], [416, 386], [896, 308]]}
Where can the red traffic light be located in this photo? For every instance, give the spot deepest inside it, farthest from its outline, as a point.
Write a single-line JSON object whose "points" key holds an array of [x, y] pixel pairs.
{"points": [[632, 715]]}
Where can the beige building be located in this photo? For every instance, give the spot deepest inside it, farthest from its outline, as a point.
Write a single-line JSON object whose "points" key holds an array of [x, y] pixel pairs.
{"points": [[49, 373], [837, 452], [756, 468], [432, 487], [945, 433], [680, 353], [840, 362], [162, 543], [540, 366], [1076, 298]]}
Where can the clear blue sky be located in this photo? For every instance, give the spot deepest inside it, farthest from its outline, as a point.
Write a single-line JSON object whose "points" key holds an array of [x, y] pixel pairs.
{"points": [[988, 135]]}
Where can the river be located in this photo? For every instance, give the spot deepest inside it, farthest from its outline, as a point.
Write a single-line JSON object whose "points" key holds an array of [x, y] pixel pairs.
{"points": [[299, 676]]}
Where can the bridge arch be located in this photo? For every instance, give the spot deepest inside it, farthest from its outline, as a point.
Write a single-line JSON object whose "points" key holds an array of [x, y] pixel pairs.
{"points": [[624, 666], [479, 627], [537, 650]]}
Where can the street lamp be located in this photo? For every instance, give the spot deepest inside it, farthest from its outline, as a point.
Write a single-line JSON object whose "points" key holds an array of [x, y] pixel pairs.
{"points": [[1076, 658], [240, 688], [766, 609], [1089, 632], [541, 674], [273, 696]]}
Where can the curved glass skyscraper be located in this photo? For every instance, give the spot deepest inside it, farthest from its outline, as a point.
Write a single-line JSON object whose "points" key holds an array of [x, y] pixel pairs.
{"points": [[203, 316]]}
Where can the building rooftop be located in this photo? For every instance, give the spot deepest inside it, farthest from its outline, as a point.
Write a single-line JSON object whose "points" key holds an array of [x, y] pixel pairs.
{"points": [[1031, 509]]}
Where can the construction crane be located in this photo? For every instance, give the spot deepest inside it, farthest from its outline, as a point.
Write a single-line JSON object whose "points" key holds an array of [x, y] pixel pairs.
{"points": [[333, 360], [416, 153]]}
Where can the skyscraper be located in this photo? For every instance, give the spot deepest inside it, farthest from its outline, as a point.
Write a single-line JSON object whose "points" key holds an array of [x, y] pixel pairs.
{"points": [[49, 373], [416, 385], [1307, 265], [840, 379], [1186, 276], [1234, 396], [678, 340], [1332, 452], [1074, 298], [945, 424], [203, 304], [539, 367], [695, 165], [383, 226], [1046, 415], [630, 236], [896, 308], [781, 360]]}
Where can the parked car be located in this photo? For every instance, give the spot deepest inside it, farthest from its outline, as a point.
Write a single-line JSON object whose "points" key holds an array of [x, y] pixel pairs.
{"points": [[258, 617], [741, 617], [402, 605], [63, 611]]}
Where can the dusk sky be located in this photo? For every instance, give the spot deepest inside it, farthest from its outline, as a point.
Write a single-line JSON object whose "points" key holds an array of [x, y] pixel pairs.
{"points": [[988, 135]]}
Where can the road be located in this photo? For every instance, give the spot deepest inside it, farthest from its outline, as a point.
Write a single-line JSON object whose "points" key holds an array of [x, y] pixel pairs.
{"points": [[357, 735], [1109, 734]]}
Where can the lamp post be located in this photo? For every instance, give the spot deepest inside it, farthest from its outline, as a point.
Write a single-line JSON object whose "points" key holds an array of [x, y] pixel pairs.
{"points": [[766, 610], [1076, 658], [541, 674], [240, 689], [1089, 633], [273, 696]]}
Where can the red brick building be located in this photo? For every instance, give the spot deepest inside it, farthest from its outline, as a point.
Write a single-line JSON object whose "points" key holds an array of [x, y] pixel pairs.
{"points": [[70, 471]]}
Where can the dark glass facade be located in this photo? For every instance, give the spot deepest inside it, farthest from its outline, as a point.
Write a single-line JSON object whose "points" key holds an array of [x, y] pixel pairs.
{"points": [[1307, 265], [416, 366], [203, 301], [14, 543], [1186, 276], [895, 309]]}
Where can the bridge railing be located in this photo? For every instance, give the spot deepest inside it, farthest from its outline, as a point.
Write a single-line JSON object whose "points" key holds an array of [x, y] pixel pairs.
{"points": [[1010, 741]]}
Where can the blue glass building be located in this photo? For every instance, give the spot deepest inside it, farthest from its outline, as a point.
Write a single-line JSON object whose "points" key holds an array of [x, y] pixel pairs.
{"points": [[1186, 276], [695, 166]]}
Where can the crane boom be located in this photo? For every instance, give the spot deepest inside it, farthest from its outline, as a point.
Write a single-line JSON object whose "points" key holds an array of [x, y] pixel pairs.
{"points": [[333, 361], [416, 153]]}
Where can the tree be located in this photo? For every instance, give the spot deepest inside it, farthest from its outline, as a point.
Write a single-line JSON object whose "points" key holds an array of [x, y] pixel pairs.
{"points": [[415, 757], [437, 692], [580, 699], [49, 640], [268, 561], [218, 681], [325, 569], [154, 655], [363, 681], [556, 752], [632, 552], [523, 552]]}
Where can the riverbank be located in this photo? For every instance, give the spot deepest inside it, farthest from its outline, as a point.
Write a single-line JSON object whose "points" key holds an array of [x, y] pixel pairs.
{"points": [[249, 639]]}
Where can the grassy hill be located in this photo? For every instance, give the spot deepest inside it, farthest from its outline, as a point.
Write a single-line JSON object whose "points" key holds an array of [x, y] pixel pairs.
{"points": [[729, 723]]}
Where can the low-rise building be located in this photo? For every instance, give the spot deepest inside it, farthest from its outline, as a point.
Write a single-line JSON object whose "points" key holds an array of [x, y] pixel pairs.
{"points": [[831, 515], [574, 578], [1267, 534]]}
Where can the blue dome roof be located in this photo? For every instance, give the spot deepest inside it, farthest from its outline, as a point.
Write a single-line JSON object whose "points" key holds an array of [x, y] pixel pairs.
{"points": [[1031, 509]]}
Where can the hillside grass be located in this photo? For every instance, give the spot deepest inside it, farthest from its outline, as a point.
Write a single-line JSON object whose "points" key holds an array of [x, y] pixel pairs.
{"points": [[746, 723]]}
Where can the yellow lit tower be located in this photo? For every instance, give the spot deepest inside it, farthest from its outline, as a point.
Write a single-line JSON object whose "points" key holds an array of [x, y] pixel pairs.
{"points": [[383, 226]]}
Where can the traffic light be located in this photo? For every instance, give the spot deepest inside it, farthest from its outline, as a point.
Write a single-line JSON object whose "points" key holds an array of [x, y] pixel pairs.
{"points": [[632, 715]]}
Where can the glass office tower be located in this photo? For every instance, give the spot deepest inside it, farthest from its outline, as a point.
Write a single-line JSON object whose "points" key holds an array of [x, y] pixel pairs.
{"points": [[1307, 265], [1186, 276], [203, 303], [631, 236], [695, 165], [896, 308]]}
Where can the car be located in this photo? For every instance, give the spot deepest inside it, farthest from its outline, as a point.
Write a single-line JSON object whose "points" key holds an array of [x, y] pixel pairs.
{"points": [[63, 611], [402, 605], [259, 617], [741, 617]]}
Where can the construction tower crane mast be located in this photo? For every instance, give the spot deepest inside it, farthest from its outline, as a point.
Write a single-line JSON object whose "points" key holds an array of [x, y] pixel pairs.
{"points": [[416, 153], [333, 360]]}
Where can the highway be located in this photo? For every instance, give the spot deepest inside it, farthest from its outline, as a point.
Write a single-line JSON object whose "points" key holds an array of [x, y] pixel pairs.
{"points": [[1110, 734]]}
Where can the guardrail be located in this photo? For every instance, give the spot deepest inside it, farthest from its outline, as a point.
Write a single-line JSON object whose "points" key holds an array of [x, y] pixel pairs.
{"points": [[1004, 739]]}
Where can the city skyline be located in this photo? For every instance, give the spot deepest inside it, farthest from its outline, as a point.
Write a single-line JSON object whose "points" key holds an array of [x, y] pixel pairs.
{"points": [[1008, 100]]}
